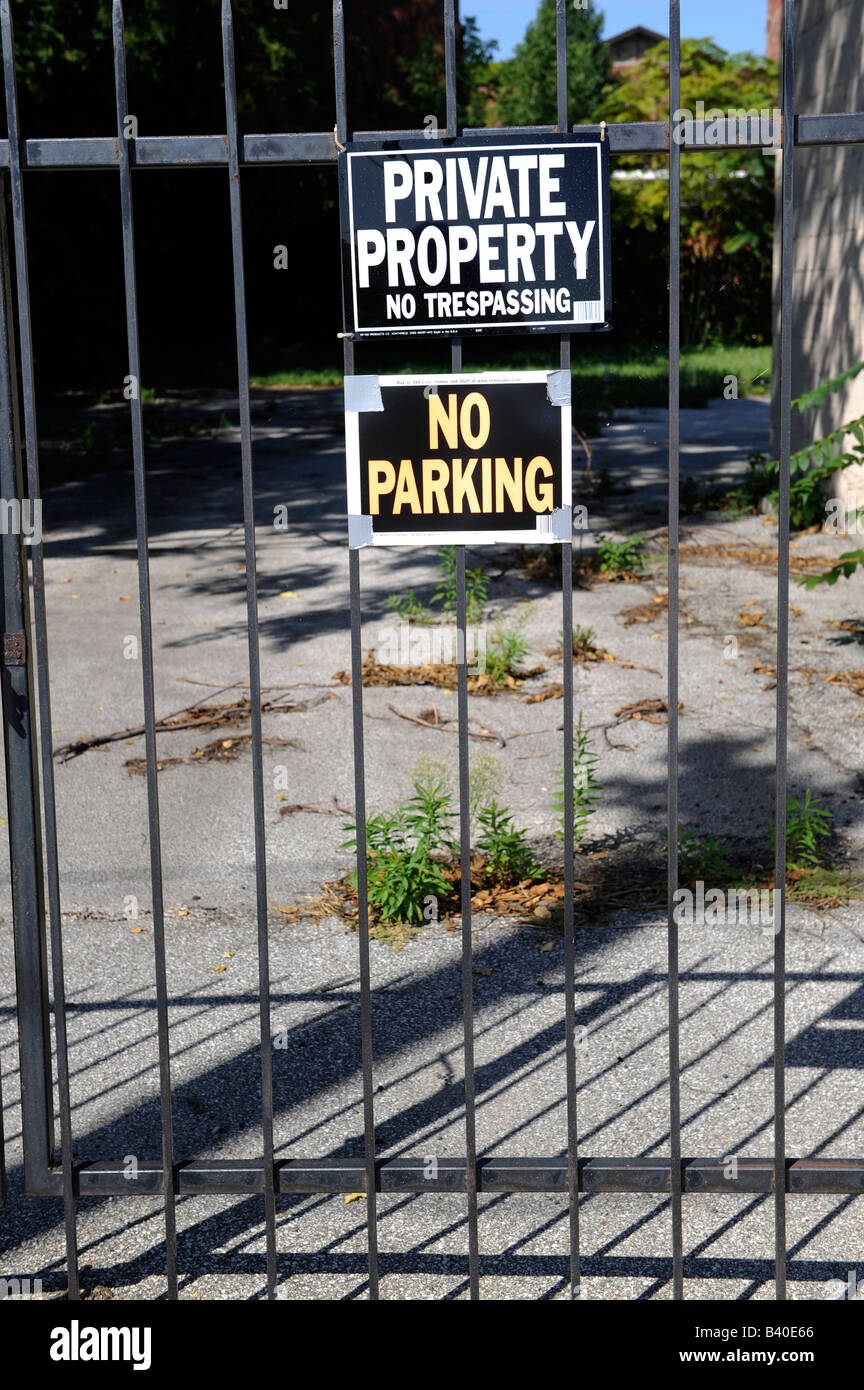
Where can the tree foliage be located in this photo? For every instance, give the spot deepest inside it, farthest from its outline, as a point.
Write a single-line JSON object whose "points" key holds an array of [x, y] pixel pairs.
{"points": [[727, 197], [527, 83], [395, 67]]}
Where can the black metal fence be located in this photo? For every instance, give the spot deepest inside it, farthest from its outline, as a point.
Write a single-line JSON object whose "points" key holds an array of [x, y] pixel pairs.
{"points": [[28, 744]]}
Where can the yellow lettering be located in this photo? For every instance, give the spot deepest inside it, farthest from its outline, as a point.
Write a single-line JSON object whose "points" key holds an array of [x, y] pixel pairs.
{"points": [[463, 488], [474, 401], [406, 489], [436, 476], [509, 482], [443, 420], [382, 478], [486, 474], [539, 499]]}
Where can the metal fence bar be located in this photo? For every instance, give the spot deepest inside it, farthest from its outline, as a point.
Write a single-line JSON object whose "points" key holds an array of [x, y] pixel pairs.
{"points": [[369, 1180], [266, 1044], [41, 636], [25, 848], [467, 954], [144, 603], [787, 102], [672, 647], [569, 772], [317, 148], [502, 1174], [450, 22], [3, 1148], [21, 761]]}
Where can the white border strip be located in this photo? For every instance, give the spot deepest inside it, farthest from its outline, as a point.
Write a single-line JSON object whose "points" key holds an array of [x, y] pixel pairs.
{"points": [[542, 534], [472, 325]]}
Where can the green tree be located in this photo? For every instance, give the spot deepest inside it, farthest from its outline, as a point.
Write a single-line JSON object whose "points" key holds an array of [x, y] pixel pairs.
{"points": [[422, 76], [727, 196], [527, 83], [395, 65]]}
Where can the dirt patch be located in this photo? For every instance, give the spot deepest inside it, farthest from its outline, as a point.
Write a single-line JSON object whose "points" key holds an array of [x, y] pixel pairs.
{"points": [[221, 750], [197, 716], [646, 612], [442, 674], [850, 680], [758, 557]]}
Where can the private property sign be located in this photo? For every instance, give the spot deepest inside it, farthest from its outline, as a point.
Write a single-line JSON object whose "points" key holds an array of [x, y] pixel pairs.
{"points": [[478, 236], [458, 459]]}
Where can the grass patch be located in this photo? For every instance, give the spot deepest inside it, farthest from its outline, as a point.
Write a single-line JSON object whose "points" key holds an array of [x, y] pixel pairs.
{"points": [[604, 376], [822, 886]]}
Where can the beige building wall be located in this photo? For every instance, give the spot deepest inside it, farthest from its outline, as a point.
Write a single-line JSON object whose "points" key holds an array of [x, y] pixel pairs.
{"points": [[828, 286]]}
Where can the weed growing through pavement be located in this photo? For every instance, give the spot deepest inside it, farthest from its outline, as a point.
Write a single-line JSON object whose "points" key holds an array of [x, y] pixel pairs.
{"points": [[807, 822], [585, 785], [621, 559], [508, 856]]}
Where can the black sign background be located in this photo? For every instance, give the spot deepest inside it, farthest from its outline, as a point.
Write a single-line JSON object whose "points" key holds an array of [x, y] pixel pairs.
{"points": [[524, 423], [585, 195]]}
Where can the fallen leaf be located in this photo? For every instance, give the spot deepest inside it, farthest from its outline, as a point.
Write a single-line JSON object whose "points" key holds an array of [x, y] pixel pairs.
{"points": [[219, 969], [354, 1197]]}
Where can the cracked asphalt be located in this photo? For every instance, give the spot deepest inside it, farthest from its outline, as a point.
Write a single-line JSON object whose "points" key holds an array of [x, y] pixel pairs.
{"points": [[728, 657]]}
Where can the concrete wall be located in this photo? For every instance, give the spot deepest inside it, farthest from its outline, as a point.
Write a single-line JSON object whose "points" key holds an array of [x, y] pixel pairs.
{"points": [[828, 293]]}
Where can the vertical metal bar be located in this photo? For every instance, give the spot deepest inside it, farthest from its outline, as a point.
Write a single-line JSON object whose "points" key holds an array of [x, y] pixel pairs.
{"points": [[672, 656], [41, 626], [25, 850], [254, 653], [783, 526], [2, 1150], [567, 753], [467, 955], [561, 61], [450, 21], [366, 1041], [142, 536], [450, 28]]}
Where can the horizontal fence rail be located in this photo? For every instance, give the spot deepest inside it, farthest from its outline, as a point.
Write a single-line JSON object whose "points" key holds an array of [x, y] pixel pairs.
{"points": [[209, 151], [108, 1177]]}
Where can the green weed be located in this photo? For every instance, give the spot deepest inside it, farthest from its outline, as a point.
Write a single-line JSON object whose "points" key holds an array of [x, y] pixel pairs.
{"points": [[585, 784]]}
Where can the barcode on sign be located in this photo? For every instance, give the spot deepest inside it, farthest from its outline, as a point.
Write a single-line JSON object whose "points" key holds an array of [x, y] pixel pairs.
{"points": [[591, 311]]}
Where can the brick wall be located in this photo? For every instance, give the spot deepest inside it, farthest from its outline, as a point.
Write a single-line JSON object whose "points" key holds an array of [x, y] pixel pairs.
{"points": [[773, 29]]}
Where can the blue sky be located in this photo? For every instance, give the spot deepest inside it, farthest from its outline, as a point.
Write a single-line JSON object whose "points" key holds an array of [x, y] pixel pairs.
{"points": [[736, 24]]}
